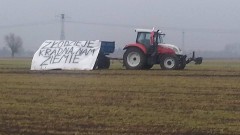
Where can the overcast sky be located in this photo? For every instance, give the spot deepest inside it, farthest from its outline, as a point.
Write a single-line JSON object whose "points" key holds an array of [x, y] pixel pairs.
{"points": [[207, 24]]}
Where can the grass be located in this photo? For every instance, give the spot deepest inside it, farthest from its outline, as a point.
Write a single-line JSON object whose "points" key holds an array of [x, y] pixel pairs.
{"points": [[15, 64], [202, 99]]}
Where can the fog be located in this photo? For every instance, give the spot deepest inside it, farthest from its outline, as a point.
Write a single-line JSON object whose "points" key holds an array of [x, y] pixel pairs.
{"points": [[208, 25]]}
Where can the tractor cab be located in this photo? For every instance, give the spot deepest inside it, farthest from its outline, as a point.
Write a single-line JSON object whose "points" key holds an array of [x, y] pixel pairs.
{"points": [[144, 37]]}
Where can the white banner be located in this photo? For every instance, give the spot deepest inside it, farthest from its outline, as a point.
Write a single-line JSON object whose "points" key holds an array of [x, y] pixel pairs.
{"points": [[66, 55]]}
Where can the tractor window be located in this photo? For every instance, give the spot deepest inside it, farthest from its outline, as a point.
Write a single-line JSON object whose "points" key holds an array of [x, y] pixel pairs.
{"points": [[160, 38], [143, 38], [148, 35]]}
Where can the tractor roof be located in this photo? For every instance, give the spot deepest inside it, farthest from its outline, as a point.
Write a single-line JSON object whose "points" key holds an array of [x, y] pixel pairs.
{"points": [[147, 30]]}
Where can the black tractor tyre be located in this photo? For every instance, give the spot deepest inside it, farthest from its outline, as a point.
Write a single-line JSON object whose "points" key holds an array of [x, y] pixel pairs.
{"points": [[169, 62], [182, 64], [134, 59]]}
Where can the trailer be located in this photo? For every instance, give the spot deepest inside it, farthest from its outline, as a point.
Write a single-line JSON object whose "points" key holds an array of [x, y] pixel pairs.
{"points": [[72, 55], [103, 61]]}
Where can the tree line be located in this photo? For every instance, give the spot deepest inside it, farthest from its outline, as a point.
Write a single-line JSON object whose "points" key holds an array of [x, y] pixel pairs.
{"points": [[15, 45]]}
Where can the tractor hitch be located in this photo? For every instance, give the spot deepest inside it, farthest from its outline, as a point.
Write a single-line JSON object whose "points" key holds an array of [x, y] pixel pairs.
{"points": [[197, 60]]}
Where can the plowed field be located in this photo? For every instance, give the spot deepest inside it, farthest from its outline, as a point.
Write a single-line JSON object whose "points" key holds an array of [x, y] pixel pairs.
{"points": [[202, 99]]}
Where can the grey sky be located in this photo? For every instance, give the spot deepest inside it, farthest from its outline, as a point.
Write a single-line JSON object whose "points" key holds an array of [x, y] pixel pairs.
{"points": [[208, 24]]}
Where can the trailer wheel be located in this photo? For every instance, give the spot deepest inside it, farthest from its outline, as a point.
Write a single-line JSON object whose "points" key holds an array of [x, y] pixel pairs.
{"points": [[134, 58], [102, 62], [169, 62]]}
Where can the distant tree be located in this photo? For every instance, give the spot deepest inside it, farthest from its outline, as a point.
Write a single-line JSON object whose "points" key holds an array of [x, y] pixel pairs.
{"points": [[14, 43]]}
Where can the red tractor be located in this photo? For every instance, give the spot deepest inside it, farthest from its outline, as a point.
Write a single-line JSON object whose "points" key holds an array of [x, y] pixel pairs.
{"points": [[149, 49]]}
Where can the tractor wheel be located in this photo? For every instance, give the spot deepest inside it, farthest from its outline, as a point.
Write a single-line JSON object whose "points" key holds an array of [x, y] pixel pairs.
{"points": [[182, 64], [134, 58], [169, 62]]}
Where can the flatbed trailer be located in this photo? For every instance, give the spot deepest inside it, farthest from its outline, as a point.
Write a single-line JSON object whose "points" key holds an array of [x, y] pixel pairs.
{"points": [[103, 61]]}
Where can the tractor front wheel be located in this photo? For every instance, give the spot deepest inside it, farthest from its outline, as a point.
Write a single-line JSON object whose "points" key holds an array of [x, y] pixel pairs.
{"points": [[182, 64], [134, 58], [169, 62]]}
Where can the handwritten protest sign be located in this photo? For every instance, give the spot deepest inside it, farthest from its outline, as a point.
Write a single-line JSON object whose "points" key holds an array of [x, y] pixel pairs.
{"points": [[66, 55]]}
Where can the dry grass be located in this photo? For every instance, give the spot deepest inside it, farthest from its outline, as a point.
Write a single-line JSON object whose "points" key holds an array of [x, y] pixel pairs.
{"points": [[198, 100]]}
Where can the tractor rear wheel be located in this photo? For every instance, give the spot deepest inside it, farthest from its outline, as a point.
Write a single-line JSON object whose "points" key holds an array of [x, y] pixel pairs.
{"points": [[134, 58], [169, 62]]}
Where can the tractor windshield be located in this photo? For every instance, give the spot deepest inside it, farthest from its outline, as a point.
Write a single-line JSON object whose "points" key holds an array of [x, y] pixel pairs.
{"points": [[160, 38], [144, 38]]}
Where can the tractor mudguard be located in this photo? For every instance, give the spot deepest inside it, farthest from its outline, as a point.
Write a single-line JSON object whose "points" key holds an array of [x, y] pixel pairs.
{"points": [[140, 46]]}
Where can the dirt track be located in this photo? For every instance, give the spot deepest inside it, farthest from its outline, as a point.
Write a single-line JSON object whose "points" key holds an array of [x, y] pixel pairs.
{"points": [[123, 72]]}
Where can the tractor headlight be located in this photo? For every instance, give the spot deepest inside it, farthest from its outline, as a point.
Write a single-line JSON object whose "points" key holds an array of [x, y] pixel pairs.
{"points": [[177, 50]]}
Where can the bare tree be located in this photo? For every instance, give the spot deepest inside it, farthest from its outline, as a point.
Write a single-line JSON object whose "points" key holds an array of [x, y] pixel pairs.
{"points": [[14, 43]]}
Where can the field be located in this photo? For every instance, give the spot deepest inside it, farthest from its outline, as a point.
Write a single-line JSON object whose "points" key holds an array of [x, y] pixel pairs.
{"points": [[199, 100]]}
